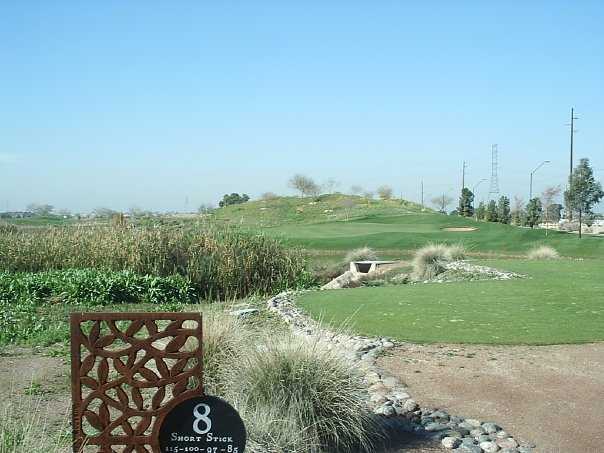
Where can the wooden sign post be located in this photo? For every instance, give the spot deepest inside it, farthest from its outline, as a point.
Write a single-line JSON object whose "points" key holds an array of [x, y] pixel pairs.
{"points": [[128, 371]]}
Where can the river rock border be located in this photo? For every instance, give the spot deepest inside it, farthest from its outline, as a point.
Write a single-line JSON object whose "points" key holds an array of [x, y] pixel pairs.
{"points": [[390, 399]]}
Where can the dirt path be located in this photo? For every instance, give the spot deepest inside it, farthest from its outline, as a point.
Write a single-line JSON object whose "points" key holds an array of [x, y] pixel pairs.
{"points": [[550, 395], [33, 381]]}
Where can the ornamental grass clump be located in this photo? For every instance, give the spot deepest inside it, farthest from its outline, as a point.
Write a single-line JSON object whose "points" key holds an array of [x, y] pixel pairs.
{"points": [[298, 396], [457, 252], [360, 254], [544, 252], [429, 261], [225, 342]]}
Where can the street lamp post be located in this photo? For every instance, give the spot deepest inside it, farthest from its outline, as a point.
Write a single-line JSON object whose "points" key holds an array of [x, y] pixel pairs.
{"points": [[474, 194], [532, 173]]}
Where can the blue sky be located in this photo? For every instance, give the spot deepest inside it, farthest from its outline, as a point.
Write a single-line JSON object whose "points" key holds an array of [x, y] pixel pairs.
{"points": [[147, 103]]}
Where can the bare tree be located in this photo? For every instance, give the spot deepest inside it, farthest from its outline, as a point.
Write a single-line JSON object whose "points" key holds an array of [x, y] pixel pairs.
{"points": [[347, 204], [385, 192], [548, 197], [517, 210], [269, 196], [305, 185], [442, 202], [356, 190], [330, 185]]}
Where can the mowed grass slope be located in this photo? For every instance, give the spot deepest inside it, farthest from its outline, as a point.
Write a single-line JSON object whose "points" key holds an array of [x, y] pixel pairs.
{"points": [[561, 302], [342, 222], [411, 231]]}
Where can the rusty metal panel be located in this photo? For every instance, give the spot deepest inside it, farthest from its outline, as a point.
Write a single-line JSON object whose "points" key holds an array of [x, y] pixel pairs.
{"points": [[127, 371]]}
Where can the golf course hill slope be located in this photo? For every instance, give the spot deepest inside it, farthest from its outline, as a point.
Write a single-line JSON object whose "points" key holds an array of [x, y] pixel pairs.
{"points": [[339, 223]]}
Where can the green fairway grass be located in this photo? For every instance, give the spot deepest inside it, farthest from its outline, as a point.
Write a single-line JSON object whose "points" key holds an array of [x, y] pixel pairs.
{"points": [[410, 231], [560, 302]]}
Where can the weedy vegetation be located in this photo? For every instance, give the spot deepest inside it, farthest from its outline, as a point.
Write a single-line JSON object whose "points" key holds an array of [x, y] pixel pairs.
{"points": [[223, 264]]}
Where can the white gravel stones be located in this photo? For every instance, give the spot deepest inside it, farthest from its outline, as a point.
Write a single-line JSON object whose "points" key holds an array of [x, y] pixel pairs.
{"points": [[388, 398], [490, 427], [410, 405], [472, 422], [489, 447], [243, 312], [451, 442], [508, 442]]}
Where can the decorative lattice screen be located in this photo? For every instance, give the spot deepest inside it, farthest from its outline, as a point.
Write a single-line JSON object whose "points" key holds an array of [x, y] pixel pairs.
{"points": [[127, 371]]}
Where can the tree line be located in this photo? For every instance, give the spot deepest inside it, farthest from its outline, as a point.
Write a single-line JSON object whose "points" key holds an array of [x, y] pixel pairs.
{"points": [[582, 194]]}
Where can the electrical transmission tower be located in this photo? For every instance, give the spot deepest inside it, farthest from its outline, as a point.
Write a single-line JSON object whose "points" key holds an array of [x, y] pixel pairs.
{"points": [[494, 190]]}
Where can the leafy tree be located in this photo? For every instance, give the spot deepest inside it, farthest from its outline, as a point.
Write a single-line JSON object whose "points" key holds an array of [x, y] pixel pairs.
{"points": [[547, 200], [503, 210], [491, 213], [356, 189], [481, 211], [40, 209], [205, 208], [534, 209], [232, 199], [442, 202], [583, 191], [330, 185], [305, 185], [104, 212], [385, 192], [553, 213], [466, 203]]}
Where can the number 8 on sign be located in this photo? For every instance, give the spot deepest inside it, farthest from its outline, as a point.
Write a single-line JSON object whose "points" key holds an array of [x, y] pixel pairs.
{"points": [[202, 418]]}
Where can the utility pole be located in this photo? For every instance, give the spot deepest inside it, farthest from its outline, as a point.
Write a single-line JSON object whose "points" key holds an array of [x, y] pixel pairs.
{"points": [[422, 194], [572, 139], [569, 214]]}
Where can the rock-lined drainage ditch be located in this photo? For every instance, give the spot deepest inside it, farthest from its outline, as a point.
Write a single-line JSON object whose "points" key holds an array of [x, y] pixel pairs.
{"points": [[390, 399]]}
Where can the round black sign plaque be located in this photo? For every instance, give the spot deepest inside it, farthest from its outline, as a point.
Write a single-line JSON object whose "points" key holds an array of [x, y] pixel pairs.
{"points": [[202, 424]]}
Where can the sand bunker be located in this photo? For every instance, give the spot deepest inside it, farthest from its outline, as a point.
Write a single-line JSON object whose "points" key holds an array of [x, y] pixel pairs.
{"points": [[460, 229]]}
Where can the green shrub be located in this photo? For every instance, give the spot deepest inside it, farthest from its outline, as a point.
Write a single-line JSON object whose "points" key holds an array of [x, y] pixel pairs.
{"points": [[544, 252], [299, 396], [95, 287]]}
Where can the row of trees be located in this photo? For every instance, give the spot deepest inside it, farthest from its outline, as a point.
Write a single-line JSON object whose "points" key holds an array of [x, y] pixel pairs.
{"points": [[307, 187], [583, 193]]}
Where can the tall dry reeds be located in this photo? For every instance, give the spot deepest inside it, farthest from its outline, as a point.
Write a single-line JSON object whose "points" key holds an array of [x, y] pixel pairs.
{"points": [[219, 263]]}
